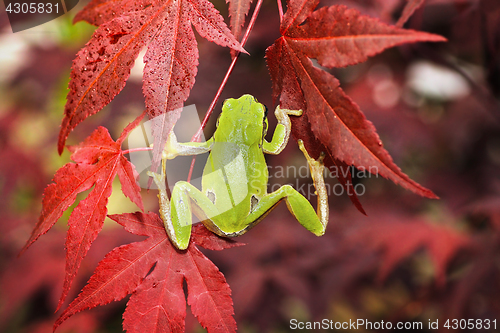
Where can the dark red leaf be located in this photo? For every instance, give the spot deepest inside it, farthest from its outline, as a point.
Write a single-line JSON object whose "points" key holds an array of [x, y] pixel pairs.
{"points": [[335, 166], [345, 178], [296, 13], [336, 37]]}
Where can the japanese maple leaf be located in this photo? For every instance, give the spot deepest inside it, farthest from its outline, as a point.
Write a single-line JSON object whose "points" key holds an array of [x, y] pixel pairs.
{"points": [[98, 160], [153, 271], [238, 9], [336, 37], [102, 67]]}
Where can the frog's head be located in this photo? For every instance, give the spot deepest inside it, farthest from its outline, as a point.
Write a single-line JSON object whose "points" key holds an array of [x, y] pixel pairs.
{"points": [[242, 119]]}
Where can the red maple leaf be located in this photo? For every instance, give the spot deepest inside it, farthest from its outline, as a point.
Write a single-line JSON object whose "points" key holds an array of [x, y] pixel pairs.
{"points": [[102, 67], [336, 37], [153, 271], [98, 160], [238, 9]]}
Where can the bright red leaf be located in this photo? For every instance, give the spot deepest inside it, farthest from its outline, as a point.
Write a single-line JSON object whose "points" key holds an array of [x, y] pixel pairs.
{"points": [[238, 10], [98, 160], [102, 67], [158, 302], [336, 37], [97, 12]]}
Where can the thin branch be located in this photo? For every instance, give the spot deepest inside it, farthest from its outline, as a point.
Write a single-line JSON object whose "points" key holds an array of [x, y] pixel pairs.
{"points": [[211, 108], [280, 10]]}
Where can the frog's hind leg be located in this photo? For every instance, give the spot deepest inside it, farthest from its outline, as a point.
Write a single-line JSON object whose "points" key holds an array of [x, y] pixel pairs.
{"points": [[176, 212], [297, 204]]}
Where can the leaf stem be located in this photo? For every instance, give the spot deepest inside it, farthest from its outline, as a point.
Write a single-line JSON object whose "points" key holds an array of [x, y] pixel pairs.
{"points": [[133, 150], [211, 108], [280, 10]]}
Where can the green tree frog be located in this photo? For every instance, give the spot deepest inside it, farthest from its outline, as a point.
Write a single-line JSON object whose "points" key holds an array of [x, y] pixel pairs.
{"points": [[234, 194]]}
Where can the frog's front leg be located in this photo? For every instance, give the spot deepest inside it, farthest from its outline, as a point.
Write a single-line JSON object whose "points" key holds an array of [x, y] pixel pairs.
{"points": [[297, 204], [282, 131], [173, 148]]}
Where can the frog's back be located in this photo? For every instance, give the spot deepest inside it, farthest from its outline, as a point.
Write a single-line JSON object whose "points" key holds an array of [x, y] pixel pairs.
{"points": [[236, 168]]}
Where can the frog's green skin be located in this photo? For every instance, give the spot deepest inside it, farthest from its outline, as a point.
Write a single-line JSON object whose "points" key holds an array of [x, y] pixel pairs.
{"points": [[234, 194]]}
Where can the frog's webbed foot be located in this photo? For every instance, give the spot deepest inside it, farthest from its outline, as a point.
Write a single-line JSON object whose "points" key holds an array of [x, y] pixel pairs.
{"points": [[282, 114], [172, 147], [317, 168]]}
